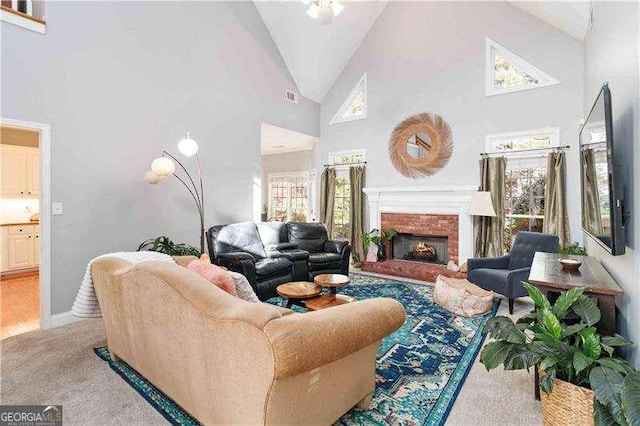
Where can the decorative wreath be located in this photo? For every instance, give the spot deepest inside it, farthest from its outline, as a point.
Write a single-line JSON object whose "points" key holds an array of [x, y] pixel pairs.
{"points": [[438, 153]]}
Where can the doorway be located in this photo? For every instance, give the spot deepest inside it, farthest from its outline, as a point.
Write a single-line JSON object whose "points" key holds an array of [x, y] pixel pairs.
{"points": [[24, 283], [288, 175]]}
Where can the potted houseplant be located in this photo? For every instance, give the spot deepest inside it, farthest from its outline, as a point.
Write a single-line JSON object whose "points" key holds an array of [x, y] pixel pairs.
{"points": [[574, 249], [372, 244], [579, 375], [165, 245], [377, 244]]}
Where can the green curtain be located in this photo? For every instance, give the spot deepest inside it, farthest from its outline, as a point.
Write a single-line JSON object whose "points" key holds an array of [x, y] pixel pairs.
{"points": [[327, 197], [490, 230], [591, 215], [556, 218], [356, 181]]}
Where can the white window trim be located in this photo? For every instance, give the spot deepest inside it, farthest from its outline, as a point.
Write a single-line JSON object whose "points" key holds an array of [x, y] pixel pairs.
{"points": [[338, 116], [553, 133], [490, 45], [332, 157], [23, 22], [303, 174]]}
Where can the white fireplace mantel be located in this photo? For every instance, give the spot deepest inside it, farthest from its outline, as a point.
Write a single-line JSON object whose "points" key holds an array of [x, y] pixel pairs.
{"points": [[452, 200]]}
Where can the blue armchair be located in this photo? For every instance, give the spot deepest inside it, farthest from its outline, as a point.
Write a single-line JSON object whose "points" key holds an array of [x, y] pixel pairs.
{"points": [[505, 274]]}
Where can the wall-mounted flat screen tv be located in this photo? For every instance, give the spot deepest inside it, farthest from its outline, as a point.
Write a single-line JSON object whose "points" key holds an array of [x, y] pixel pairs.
{"points": [[601, 189]]}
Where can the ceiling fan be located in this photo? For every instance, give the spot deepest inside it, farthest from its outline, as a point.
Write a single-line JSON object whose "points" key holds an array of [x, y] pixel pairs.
{"points": [[324, 10]]}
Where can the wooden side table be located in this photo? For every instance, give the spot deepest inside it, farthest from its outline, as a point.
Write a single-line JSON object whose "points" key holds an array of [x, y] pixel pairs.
{"points": [[333, 282], [297, 291], [547, 274]]}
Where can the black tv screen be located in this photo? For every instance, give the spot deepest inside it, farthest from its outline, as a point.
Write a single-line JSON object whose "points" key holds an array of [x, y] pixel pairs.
{"points": [[601, 189]]}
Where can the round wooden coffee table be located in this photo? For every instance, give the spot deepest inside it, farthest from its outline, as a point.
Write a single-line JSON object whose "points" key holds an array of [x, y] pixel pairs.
{"points": [[333, 282], [297, 291]]}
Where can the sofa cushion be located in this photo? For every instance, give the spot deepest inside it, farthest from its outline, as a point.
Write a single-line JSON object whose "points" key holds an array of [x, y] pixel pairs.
{"points": [[325, 257], [278, 266], [527, 244], [489, 279], [238, 237], [272, 233], [324, 261], [214, 274], [309, 236], [243, 288]]}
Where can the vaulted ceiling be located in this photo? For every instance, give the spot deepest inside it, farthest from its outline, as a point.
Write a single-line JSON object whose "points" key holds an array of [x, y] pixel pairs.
{"points": [[316, 54]]}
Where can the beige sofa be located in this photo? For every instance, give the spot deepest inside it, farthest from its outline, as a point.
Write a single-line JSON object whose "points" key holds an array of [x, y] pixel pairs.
{"points": [[227, 361]]}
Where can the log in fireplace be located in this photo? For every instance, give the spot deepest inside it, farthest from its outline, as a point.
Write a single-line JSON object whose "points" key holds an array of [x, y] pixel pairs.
{"points": [[421, 248]]}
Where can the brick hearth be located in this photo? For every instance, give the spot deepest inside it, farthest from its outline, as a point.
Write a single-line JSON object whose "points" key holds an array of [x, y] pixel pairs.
{"points": [[421, 224]]}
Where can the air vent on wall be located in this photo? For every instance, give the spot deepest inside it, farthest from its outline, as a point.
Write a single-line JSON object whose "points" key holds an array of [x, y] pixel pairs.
{"points": [[291, 96]]}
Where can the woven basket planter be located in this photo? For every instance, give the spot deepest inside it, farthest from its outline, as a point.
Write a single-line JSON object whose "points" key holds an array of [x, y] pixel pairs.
{"points": [[568, 404]]}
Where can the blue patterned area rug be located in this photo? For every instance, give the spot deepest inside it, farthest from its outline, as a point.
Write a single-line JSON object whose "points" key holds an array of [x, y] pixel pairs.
{"points": [[420, 370]]}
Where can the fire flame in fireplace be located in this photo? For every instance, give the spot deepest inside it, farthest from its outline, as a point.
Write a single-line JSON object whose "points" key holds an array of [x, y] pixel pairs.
{"points": [[424, 248]]}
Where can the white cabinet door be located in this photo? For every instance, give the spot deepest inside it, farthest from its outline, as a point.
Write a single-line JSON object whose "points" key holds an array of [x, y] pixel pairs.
{"points": [[4, 249], [20, 251], [36, 248], [14, 171], [33, 172]]}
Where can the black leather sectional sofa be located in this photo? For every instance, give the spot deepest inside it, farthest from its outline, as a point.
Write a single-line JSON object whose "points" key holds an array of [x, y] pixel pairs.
{"points": [[272, 253]]}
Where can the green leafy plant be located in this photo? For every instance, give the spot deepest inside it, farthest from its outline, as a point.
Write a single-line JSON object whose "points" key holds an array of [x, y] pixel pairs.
{"points": [[378, 238], [574, 249], [372, 237], [561, 339], [163, 244], [389, 234]]}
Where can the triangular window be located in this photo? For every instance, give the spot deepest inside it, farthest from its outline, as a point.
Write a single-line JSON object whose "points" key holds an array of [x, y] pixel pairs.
{"points": [[355, 106], [507, 72]]}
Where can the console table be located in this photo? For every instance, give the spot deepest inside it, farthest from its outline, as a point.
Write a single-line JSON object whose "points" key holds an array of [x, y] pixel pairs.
{"points": [[547, 274]]}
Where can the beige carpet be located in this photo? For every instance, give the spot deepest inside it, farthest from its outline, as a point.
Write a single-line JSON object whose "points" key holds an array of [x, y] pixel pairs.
{"points": [[58, 366]]}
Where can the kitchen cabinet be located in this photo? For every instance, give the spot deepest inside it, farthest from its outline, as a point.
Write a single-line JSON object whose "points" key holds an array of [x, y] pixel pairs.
{"points": [[20, 171], [20, 247]]}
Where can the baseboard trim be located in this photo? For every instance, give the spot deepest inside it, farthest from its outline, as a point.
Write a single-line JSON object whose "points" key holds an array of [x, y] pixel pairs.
{"points": [[64, 318]]}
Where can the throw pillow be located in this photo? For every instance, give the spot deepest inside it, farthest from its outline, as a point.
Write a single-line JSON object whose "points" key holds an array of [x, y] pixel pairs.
{"points": [[214, 274], [243, 288], [462, 297]]}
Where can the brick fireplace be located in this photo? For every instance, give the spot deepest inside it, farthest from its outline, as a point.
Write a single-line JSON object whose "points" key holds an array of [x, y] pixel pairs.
{"points": [[433, 216], [439, 225]]}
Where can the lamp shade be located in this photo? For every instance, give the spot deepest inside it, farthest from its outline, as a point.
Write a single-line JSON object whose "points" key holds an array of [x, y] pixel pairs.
{"points": [[188, 147], [163, 166], [151, 178], [481, 204]]}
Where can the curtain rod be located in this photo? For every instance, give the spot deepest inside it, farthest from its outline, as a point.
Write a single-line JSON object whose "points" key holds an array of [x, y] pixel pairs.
{"points": [[551, 148], [345, 164]]}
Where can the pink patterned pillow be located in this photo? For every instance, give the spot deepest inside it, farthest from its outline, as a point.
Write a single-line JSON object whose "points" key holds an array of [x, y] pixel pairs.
{"points": [[214, 274]]}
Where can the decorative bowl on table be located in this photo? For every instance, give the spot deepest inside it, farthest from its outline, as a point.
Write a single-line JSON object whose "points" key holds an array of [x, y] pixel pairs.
{"points": [[569, 263]]}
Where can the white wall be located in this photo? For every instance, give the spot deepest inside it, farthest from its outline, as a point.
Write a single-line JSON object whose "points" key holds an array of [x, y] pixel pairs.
{"points": [[611, 53], [119, 82], [430, 56]]}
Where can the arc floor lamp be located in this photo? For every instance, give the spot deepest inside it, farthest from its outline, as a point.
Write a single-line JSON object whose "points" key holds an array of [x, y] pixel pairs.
{"points": [[164, 166]]}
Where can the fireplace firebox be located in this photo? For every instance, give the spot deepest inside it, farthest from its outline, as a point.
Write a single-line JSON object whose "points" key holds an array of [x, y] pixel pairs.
{"points": [[421, 248]]}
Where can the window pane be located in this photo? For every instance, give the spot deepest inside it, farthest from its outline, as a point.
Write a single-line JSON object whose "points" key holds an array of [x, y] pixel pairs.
{"points": [[524, 207], [342, 209], [506, 75]]}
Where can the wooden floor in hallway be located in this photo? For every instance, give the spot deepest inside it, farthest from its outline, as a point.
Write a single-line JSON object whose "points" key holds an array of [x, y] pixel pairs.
{"points": [[19, 304]]}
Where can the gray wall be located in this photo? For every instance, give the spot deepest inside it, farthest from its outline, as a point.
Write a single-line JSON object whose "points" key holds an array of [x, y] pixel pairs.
{"points": [[119, 82], [611, 54], [429, 56]]}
